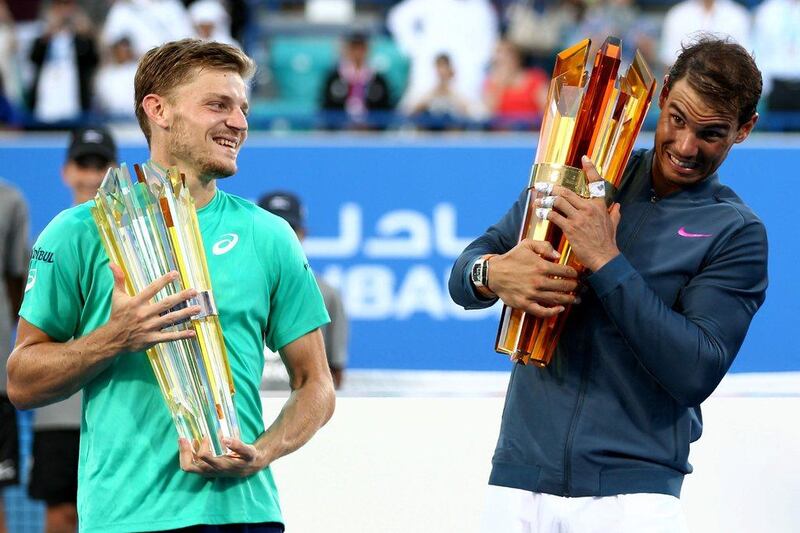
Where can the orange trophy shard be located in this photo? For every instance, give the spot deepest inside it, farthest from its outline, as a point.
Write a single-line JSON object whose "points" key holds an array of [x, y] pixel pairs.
{"points": [[598, 115]]}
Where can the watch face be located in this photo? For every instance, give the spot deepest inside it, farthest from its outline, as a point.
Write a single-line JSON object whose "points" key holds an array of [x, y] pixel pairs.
{"points": [[476, 272]]}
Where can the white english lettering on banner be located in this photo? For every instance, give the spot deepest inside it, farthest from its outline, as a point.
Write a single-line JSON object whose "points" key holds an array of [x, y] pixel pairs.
{"points": [[346, 244], [369, 294], [367, 291], [415, 243], [420, 293], [448, 244]]}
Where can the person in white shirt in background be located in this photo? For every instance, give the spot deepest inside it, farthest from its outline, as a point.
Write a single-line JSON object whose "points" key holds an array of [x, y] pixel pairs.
{"points": [[465, 30], [64, 58], [685, 20], [212, 22], [777, 45], [147, 23], [114, 82]]}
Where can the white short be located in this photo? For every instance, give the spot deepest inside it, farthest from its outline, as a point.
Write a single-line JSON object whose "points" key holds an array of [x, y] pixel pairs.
{"points": [[520, 511]]}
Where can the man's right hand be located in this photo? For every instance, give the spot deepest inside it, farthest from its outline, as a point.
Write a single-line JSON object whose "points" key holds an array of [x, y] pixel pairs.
{"points": [[136, 323], [526, 278]]}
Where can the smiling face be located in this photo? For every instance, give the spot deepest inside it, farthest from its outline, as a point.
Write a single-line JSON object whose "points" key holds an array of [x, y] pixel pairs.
{"points": [[204, 125], [692, 138]]}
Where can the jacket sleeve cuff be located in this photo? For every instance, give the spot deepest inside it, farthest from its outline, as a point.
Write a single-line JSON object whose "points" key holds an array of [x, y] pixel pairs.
{"points": [[611, 275]]}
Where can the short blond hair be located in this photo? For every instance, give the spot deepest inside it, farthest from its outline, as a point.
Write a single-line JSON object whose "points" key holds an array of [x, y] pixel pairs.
{"points": [[170, 65]]}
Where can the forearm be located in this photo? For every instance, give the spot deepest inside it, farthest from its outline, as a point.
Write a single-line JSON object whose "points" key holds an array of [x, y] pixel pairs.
{"points": [[46, 372], [308, 408]]}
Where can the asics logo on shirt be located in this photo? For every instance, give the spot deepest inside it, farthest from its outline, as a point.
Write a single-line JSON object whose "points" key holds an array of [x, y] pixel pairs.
{"points": [[224, 245], [31, 280]]}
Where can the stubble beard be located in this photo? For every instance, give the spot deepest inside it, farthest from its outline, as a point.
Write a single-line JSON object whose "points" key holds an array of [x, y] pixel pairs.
{"points": [[207, 167]]}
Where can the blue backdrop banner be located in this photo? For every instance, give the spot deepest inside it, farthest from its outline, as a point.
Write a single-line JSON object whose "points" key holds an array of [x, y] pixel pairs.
{"points": [[387, 217]]}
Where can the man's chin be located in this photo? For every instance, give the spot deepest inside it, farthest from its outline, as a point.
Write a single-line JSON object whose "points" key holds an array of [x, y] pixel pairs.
{"points": [[221, 171]]}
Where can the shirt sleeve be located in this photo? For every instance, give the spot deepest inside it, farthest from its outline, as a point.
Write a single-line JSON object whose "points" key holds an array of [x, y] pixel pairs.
{"points": [[498, 239], [52, 300], [296, 305], [691, 345]]}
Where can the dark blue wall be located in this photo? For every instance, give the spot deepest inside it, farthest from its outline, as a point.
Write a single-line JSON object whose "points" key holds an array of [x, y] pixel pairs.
{"points": [[366, 197]]}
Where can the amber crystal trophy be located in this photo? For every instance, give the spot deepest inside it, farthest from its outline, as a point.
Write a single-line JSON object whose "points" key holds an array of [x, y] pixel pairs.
{"points": [[149, 228], [598, 115]]}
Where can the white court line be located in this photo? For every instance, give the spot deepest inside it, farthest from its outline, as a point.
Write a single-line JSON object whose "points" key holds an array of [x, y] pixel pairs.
{"points": [[425, 383]]}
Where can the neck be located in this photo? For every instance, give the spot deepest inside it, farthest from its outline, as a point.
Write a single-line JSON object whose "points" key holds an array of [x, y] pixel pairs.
{"points": [[202, 189], [79, 197]]}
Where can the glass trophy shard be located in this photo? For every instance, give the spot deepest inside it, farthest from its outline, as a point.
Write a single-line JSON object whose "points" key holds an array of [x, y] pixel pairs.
{"points": [[598, 115], [149, 227]]}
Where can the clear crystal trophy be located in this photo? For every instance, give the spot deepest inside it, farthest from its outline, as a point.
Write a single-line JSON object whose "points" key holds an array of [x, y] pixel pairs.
{"points": [[149, 227]]}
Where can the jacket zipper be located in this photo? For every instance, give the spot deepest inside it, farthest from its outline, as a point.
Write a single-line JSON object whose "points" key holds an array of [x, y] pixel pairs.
{"points": [[573, 425], [585, 373], [653, 200]]}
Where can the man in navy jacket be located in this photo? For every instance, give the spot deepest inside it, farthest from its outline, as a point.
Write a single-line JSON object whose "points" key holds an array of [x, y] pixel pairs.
{"points": [[599, 439]]}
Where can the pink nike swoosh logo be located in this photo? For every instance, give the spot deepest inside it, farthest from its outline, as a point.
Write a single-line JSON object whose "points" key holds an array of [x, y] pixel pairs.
{"points": [[683, 233]]}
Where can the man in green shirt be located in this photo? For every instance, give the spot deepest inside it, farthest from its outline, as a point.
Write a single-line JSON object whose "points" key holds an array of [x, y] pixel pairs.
{"points": [[79, 329]]}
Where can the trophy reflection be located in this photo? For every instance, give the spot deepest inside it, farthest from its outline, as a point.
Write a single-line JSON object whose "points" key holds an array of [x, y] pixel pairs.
{"points": [[600, 116], [149, 228]]}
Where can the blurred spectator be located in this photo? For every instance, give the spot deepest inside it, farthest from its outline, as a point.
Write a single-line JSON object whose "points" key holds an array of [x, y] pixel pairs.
{"points": [[442, 107], [14, 255], [684, 21], [513, 95], [10, 85], [777, 48], [353, 86], [620, 18], [114, 83], [538, 27], [65, 58], [287, 206], [147, 23], [330, 11], [56, 427], [26, 10], [465, 30], [212, 22]]}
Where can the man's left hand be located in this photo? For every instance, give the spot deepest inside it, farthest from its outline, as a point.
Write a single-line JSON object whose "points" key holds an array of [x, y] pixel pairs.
{"points": [[589, 226], [242, 460]]}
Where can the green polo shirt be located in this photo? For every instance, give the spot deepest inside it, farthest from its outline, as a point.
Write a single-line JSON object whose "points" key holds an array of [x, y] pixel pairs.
{"points": [[129, 477]]}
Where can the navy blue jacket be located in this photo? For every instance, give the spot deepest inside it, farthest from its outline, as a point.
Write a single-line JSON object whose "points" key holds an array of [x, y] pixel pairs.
{"points": [[658, 327]]}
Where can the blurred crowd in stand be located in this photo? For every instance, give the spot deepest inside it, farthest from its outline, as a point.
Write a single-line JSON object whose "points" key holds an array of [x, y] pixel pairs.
{"points": [[468, 64]]}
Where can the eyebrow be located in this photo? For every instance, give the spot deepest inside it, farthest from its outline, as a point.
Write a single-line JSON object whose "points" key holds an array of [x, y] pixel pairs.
{"points": [[721, 127]]}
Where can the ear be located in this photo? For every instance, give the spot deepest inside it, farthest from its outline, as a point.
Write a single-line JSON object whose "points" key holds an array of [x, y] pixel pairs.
{"points": [[746, 128], [158, 110]]}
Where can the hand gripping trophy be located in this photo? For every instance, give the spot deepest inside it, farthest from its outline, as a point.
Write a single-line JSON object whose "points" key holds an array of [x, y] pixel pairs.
{"points": [[150, 228], [600, 116]]}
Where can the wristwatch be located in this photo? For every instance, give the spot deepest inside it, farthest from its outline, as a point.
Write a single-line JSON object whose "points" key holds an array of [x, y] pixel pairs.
{"points": [[479, 272]]}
